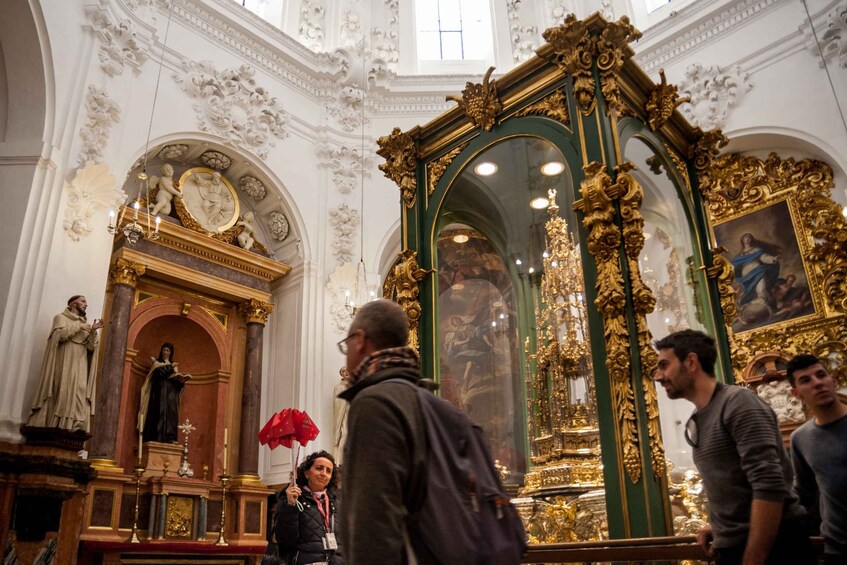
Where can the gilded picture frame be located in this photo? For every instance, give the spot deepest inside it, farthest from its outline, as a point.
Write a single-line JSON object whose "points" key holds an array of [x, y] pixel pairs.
{"points": [[209, 202], [786, 206]]}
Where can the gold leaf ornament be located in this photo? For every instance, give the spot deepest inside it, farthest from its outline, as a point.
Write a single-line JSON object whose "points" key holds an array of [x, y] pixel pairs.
{"points": [[479, 102], [573, 52], [398, 150], [662, 102]]}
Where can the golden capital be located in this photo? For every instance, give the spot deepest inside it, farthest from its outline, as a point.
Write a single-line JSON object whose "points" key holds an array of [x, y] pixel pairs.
{"points": [[400, 154], [573, 52], [256, 311], [125, 272]]}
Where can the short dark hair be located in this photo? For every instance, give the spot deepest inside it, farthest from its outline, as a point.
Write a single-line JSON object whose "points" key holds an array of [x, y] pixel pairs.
{"points": [[799, 362], [74, 298], [685, 342], [384, 322], [307, 464]]}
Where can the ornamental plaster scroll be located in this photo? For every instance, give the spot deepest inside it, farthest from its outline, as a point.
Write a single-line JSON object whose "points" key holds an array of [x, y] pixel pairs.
{"points": [[89, 195], [713, 94], [345, 223], [278, 225], [252, 187], [101, 114], [312, 14], [119, 44], [832, 38], [385, 42], [351, 28], [173, 151], [341, 280], [216, 160], [231, 104], [788, 408], [525, 39], [359, 68], [346, 165], [559, 9]]}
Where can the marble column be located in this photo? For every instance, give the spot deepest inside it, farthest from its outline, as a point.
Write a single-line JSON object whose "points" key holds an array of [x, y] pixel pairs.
{"points": [[123, 277], [256, 313]]}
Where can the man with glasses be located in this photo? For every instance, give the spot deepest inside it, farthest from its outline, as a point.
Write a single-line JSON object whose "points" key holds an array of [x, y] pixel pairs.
{"points": [[754, 516], [819, 452], [385, 453]]}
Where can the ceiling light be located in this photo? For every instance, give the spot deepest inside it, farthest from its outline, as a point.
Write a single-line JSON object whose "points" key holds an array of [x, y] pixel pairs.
{"points": [[460, 238], [485, 169], [552, 168], [539, 203], [518, 262]]}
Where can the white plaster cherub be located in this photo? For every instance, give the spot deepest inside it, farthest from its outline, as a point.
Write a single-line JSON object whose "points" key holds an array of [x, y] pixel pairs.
{"points": [[245, 238], [166, 192]]}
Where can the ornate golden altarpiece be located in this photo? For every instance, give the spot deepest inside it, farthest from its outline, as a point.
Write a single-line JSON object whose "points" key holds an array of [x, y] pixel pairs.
{"points": [[636, 177]]}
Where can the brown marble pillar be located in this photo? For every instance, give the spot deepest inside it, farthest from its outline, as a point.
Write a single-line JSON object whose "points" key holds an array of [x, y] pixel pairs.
{"points": [[256, 313], [123, 276]]}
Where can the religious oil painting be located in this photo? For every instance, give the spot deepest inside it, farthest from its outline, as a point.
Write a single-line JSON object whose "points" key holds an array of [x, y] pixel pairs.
{"points": [[209, 198], [478, 340], [770, 278]]}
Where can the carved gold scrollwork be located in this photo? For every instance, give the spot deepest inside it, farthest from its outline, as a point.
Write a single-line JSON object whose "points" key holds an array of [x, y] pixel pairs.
{"points": [[704, 152], [573, 51], [125, 272], [554, 106], [724, 274], [399, 152], [643, 303], [436, 168], [256, 311], [680, 165], [612, 52], [662, 102], [479, 102], [406, 275], [604, 238]]}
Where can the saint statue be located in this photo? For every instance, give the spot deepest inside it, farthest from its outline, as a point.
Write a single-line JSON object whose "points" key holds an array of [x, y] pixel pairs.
{"points": [[158, 412], [65, 395], [340, 407]]}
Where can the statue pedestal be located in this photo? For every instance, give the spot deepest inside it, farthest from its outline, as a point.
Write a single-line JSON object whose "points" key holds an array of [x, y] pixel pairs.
{"points": [[159, 458]]}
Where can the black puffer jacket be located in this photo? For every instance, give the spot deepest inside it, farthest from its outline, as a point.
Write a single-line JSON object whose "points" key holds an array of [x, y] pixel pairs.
{"points": [[300, 534]]}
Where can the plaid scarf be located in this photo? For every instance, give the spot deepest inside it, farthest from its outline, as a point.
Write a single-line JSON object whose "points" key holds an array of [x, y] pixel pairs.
{"points": [[385, 358]]}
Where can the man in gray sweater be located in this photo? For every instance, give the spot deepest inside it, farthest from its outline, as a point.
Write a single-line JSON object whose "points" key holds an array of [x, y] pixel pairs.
{"points": [[754, 517], [819, 453]]}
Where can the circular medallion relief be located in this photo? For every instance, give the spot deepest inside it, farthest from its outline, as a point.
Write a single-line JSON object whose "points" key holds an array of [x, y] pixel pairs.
{"points": [[209, 199]]}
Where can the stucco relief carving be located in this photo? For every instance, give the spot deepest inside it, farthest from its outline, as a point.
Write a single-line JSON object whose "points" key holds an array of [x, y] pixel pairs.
{"points": [[311, 31], [524, 38], [345, 164], [341, 280], [345, 223], [356, 63], [119, 45], [216, 160], [101, 114], [351, 28], [89, 194], [231, 104], [252, 187], [173, 151], [559, 9], [384, 44], [278, 225], [713, 94], [832, 38], [788, 409]]}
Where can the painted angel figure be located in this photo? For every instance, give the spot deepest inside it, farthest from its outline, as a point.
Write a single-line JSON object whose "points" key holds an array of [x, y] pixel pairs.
{"points": [[167, 191]]}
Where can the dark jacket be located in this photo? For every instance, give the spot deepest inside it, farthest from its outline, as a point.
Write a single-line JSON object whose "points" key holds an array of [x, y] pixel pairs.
{"points": [[384, 467], [300, 534]]}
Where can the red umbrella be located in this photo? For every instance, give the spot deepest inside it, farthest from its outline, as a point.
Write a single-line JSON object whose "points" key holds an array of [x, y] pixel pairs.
{"points": [[287, 427]]}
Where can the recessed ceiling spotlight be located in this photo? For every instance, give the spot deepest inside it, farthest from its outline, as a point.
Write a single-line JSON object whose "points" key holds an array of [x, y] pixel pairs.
{"points": [[485, 169], [552, 168], [460, 238], [539, 203]]}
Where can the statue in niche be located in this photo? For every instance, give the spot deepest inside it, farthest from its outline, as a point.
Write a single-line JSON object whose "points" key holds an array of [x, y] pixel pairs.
{"points": [[340, 408], [158, 412], [65, 395], [246, 237], [167, 191], [217, 203]]}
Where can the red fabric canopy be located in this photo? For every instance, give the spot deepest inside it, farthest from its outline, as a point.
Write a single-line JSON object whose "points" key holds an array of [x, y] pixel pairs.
{"points": [[286, 427]]}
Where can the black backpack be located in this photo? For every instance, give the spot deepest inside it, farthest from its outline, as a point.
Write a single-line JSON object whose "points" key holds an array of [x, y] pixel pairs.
{"points": [[465, 517]]}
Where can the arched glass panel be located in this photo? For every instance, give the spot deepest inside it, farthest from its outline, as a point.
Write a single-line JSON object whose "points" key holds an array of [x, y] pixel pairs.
{"points": [[512, 324], [669, 269]]}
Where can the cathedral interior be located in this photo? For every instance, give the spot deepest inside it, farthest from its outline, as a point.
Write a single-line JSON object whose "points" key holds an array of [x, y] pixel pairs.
{"points": [[544, 186]]}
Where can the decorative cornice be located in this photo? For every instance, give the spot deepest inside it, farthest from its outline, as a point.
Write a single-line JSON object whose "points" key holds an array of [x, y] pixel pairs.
{"points": [[256, 311]]}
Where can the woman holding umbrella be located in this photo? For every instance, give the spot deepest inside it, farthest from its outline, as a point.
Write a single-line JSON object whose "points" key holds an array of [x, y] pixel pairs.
{"points": [[306, 514]]}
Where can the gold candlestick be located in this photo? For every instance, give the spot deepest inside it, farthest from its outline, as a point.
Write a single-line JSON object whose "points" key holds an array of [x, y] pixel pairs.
{"points": [[139, 470], [224, 480]]}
